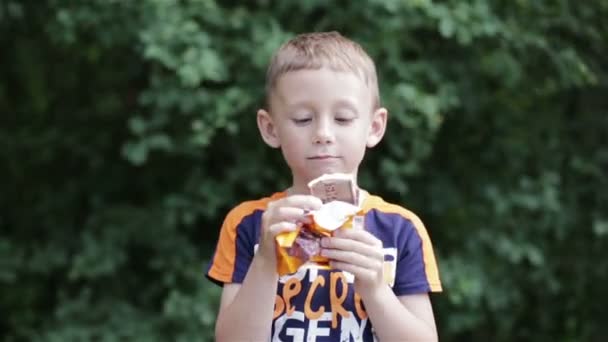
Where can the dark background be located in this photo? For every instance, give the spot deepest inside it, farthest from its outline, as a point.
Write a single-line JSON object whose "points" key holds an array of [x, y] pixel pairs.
{"points": [[127, 131]]}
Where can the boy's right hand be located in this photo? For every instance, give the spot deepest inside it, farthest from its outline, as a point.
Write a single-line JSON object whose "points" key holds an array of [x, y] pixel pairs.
{"points": [[283, 215]]}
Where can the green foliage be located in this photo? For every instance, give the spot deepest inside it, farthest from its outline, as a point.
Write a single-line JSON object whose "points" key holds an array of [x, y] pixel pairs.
{"points": [[127, 131]]}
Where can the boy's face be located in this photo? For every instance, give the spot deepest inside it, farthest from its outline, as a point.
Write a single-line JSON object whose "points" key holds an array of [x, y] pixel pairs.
{"points": [[323, 121]]}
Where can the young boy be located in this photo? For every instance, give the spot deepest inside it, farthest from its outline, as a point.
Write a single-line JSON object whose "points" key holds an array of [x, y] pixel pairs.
{"points": [[323, 111]]}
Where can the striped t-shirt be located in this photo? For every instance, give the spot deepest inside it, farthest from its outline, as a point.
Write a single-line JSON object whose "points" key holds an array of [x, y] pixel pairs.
{"points": [[318, 304]]}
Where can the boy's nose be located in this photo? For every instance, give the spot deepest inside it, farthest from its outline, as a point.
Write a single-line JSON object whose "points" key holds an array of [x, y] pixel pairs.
{"points": [[323, 133]]}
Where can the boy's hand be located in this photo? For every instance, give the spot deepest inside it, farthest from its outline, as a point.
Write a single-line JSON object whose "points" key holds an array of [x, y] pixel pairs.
{"points": [[283, 215], [359, 252]]}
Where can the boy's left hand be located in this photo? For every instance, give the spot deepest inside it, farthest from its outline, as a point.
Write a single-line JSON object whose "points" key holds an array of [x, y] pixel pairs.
{"points": [[359, 252]]}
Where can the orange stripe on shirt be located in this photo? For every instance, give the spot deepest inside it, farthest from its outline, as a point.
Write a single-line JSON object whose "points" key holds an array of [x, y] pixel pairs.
{"points": [[222, 268], [430, 264]]}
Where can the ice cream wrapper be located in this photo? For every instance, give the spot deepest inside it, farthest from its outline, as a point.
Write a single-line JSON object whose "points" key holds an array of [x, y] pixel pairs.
{"points": [[339, 211]]}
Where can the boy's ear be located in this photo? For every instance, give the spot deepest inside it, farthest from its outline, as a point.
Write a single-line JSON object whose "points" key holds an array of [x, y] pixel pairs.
{"points": [[268, 129], [378, 127]]}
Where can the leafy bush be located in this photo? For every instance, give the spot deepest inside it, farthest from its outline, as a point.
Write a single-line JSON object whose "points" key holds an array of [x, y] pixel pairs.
{"points": [[128, 131]]}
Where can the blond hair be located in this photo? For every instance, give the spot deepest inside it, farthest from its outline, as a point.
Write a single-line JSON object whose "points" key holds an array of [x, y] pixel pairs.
{"points": [[322, 49]]}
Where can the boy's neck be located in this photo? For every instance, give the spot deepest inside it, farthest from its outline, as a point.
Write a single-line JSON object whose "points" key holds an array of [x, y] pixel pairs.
{"points": [[298, 190]]}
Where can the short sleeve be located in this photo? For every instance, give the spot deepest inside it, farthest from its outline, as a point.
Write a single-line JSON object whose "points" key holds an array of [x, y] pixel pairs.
{"points": [[235, 248], [417, 270]]}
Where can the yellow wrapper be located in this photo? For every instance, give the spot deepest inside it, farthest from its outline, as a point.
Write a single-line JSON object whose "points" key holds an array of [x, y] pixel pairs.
{"points": [[340, 205], [303, 245], [286, 263]]}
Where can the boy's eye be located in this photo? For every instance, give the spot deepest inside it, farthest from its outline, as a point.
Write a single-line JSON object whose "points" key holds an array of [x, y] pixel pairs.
{"points": [[301, 121], [344, 120]]}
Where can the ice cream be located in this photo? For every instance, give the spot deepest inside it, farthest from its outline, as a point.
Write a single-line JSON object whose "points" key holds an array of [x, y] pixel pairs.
{"points": [[340, 210]]}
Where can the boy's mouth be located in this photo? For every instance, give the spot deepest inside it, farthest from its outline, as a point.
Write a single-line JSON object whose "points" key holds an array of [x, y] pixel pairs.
{"points": [[323, 157]]}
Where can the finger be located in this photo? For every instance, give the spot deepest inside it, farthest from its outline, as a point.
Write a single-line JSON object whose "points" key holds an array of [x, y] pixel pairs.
{"points": [[301, 201], [358, 235], [346, 244], [281, 227], [287, 214], [352, 258], [358, 271]]}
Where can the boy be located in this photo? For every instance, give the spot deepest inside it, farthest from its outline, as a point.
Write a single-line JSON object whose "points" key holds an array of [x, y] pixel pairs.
{"points": [[323, 111]]}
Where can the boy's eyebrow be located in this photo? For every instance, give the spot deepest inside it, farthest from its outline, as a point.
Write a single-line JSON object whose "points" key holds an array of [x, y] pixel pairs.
{"points": [[345, 102], [299, 105], [340, 104], [349, 104]]}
